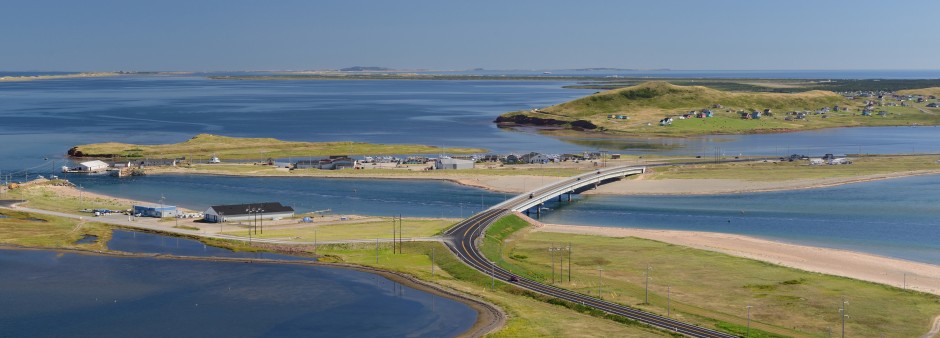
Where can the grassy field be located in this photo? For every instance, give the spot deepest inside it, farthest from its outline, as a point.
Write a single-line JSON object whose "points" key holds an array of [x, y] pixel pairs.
{"points": [[649, 102], [373, 229], [529, 314], [204, 146], [784, 171], [713, 289], [44, 197], [43, 231], [935, 91]]}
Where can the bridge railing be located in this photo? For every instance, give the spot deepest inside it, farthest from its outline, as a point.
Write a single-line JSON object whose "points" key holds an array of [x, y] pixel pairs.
{"points": [[550, 190]]}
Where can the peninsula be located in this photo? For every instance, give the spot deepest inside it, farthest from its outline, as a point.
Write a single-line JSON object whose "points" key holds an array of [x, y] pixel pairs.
{"points": [[235, 148], [659, 108]]}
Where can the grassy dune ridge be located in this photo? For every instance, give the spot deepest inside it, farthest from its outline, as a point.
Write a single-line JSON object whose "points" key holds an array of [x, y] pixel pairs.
{"points": [[649, 102], [236, 148]]}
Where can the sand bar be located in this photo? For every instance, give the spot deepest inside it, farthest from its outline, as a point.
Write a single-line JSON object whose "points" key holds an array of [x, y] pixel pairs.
{"points": [[868, 267]]}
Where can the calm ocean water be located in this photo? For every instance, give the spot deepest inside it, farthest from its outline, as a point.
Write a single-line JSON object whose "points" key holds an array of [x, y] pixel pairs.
{"points": [[419, 198], [41, 120], [100, 296]]}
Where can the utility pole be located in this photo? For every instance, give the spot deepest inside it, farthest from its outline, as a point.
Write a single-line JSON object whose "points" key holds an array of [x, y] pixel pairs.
{"points": [[648, 269], [393, 233], [432, 261], [401, 230], [668, 302], [600, 275], [376, 251], [748, 321], [551, 250]]}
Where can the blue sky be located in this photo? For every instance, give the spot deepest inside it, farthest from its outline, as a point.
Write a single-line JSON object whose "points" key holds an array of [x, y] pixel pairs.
{"points": [[99, 35]]}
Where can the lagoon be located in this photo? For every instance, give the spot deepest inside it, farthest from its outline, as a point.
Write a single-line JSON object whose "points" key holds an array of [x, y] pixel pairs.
{"points": [[47, 293]]}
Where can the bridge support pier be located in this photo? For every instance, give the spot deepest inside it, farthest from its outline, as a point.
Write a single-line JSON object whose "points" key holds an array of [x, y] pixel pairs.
{"points": [[569, 197]]}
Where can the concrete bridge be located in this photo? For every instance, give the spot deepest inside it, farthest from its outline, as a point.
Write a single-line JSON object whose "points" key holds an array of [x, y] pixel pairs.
{"points": [[589, 180]]}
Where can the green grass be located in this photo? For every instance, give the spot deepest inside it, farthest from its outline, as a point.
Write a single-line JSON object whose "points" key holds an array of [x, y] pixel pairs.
{"points": [[784, 171], [44, 197], [203, 146], [355, 230], [935, 91], [530, 315], [649, 102], [712, 289], [25, 229]]}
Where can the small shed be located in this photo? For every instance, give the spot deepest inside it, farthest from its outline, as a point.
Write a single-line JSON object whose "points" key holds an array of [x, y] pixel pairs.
{"points": [[453, 164]]}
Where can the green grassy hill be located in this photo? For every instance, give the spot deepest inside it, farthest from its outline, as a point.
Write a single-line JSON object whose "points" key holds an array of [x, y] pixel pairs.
{"points": [[234, 148], [649, 102]]}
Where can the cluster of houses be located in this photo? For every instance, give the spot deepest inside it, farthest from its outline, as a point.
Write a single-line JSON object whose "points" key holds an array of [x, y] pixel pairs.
{"points": [[339, 162]]}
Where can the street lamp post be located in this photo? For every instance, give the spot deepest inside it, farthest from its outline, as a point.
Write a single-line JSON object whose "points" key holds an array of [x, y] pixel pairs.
{"points": [[843, 315]]}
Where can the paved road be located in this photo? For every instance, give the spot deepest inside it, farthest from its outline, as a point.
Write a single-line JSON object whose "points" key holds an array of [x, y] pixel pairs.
{"points": [[154, 225], [462, 239]]}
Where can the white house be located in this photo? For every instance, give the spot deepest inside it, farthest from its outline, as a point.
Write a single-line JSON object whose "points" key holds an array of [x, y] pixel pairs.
{"points": [[93, 166], [452, 163]]}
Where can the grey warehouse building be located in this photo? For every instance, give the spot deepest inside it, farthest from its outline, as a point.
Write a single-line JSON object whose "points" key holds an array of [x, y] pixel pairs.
{"points": [[245, 212]]}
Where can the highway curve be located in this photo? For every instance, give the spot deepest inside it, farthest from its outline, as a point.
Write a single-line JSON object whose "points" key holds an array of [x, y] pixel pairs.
{"points": [[462, 239]]}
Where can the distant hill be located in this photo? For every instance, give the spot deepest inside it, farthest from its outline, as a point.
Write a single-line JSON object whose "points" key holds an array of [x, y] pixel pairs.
{"points": [[648, 103], [364, 69], [935, 91]]}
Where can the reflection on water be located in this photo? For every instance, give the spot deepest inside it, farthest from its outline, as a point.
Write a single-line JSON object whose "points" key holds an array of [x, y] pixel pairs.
{"points": [[48, 294]]}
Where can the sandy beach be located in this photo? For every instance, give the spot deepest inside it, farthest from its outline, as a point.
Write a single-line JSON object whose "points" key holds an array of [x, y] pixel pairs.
{"points": [[643, 186], [920, 276]]}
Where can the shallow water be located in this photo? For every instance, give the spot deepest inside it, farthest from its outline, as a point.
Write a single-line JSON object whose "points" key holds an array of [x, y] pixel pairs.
{"points": [[45, 293], [141, 242]]}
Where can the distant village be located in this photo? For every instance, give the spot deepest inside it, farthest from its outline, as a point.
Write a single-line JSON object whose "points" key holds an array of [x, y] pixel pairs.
{"points": [[338, 162], [871, 100]]}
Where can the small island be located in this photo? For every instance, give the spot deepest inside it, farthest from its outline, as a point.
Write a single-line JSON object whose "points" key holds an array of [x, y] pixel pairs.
{"points": [[237, 148], [659, 108]]}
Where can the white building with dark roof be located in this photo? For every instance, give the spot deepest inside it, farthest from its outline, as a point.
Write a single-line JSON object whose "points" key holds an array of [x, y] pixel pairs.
{"points": [[245, 212]]}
